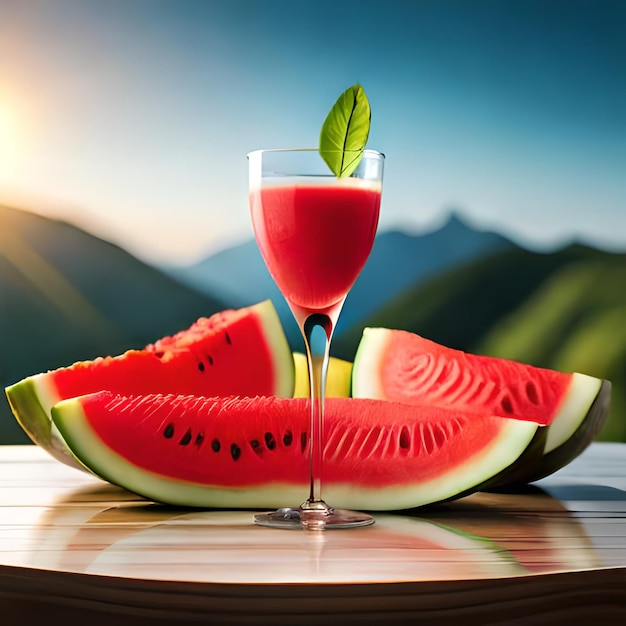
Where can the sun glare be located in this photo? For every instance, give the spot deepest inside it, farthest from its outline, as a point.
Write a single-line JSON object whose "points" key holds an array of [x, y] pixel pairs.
{"points": [[8, 138]]}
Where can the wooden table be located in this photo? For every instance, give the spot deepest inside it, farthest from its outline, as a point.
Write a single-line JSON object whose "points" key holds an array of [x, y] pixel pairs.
{"points": [[80, 550]]}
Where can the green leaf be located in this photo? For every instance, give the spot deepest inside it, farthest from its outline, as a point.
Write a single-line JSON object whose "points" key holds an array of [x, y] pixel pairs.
{"points": [[345, 131]]}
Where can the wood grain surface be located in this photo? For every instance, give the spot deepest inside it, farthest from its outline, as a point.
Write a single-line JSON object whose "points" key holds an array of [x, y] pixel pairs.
{"points": [[76, 549]]}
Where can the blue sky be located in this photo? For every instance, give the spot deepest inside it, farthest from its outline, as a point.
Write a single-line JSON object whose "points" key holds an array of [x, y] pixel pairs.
{"points": [[132, 118]]}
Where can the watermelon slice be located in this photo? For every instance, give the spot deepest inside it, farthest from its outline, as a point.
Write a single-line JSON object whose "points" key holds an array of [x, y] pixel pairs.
{"points": [[238, 351], [253, 452], [401, 366]]}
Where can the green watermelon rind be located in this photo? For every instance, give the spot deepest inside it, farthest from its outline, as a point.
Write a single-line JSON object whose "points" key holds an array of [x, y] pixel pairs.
{"points": [[504, 448], [32, 398], [25, 401], [581, 394], [31, 401], [584, 410], [279, 346], [531, 467]]}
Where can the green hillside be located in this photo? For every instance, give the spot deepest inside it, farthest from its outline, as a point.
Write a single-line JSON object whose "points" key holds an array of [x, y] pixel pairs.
{"points": [[66, 295], [564, 310]]}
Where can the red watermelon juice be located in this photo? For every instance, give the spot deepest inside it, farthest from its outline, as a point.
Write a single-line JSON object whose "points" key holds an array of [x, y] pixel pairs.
{"points": [[315, 237]]}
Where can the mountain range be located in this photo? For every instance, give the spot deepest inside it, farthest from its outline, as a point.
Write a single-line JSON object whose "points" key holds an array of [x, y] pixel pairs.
{"points": [[67, 295]]}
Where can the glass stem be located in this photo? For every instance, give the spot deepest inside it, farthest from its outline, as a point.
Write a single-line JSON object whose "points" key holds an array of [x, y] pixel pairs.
{"points": [[317, 361]]}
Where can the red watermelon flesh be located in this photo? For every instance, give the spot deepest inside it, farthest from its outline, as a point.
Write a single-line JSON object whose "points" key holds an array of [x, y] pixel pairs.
{"points": [[227, 353], [243, 452], [239, 351], [401, 366]]}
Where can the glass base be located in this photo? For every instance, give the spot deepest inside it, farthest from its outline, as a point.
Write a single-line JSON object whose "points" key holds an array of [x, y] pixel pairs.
{"points": [[317, 518]]}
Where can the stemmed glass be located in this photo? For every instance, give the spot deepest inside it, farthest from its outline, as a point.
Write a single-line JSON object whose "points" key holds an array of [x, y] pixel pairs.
{"points": [[315, 232]]}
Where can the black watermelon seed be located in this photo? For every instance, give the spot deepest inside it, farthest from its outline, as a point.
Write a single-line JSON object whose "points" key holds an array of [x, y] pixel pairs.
{"points": [[209, 359], [199, 439], [288, 438], [201, 366], [216, 445], [531, 392], [256, 446], [159, 354], [185, 439], [506, 404], [168, 433], [303, 440], [235, 451], [405, 438], [270, 442], [228, 339]]}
